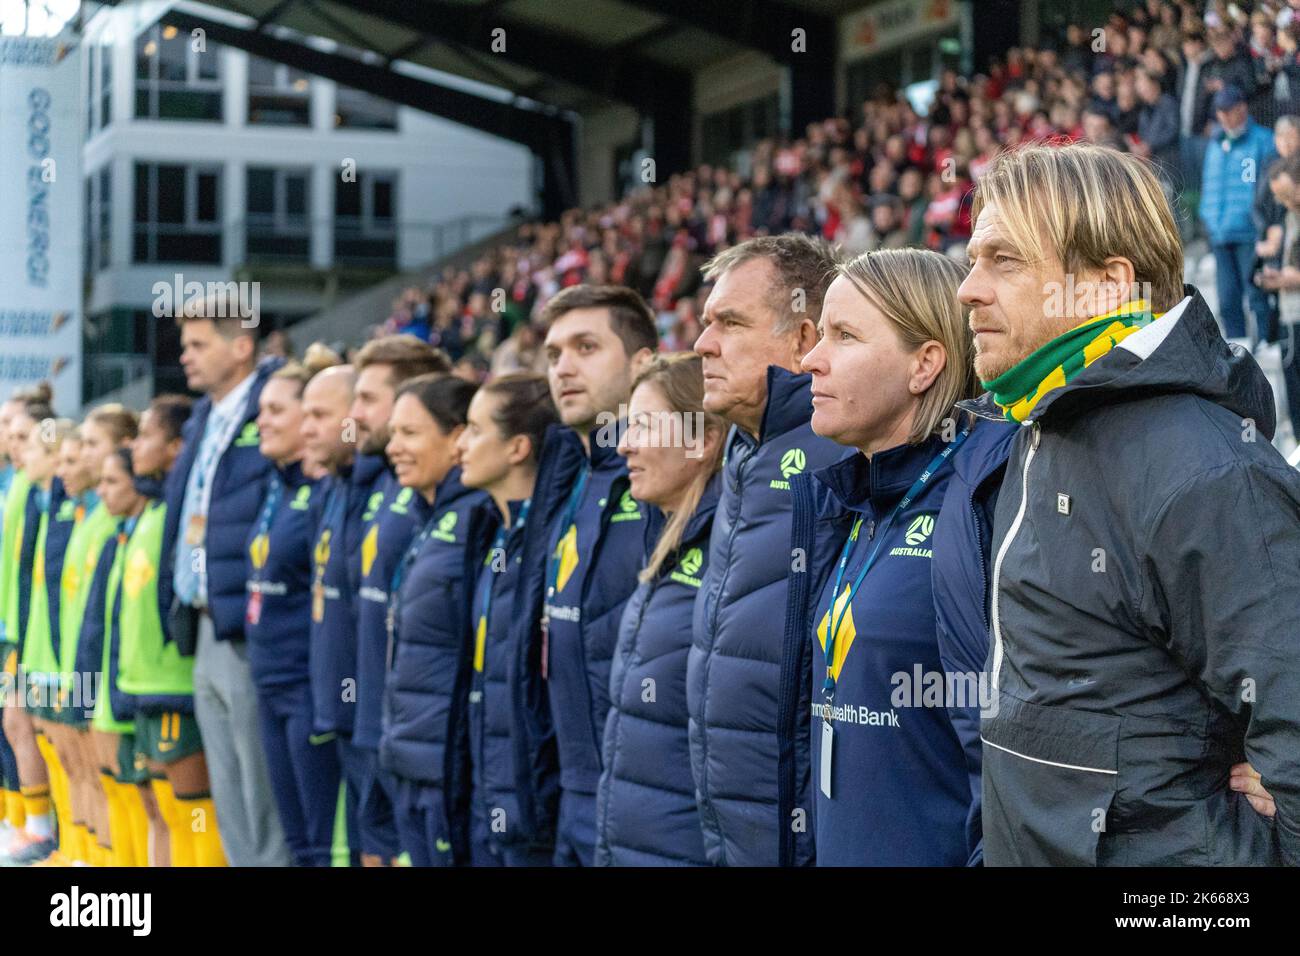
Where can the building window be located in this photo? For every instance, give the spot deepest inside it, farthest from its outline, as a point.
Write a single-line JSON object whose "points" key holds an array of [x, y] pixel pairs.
{"points": [[278, 94], [902, 67], [177, 214], [278, 221], [727, 132], [104, 234], [365, 227], [173, 80], [99, 220], [354, 109], [105, 85], [91, 70], [87, 231]]}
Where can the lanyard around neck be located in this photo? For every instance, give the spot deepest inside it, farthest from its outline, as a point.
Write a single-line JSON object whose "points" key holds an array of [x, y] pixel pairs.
{"points": [[837, 619], [498, 543], [570, 513]]}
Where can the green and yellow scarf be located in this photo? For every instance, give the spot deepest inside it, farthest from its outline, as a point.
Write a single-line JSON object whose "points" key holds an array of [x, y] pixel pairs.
{"points": [[1052, 366]]}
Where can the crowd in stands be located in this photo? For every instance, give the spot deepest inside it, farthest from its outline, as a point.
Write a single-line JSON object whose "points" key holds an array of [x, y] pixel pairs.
{"points": [[887, 175]]}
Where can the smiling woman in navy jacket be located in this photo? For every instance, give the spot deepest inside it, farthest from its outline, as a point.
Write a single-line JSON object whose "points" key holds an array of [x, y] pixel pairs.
{"points": [[499, 450], [304, 768], [424, 740], [892, 767], [646, 814]]}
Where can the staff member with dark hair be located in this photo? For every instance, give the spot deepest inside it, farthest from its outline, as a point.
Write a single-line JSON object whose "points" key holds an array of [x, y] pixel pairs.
{"points": [[646, 813], [504, 432], [392, 517], [425, 741], [582, 543]]}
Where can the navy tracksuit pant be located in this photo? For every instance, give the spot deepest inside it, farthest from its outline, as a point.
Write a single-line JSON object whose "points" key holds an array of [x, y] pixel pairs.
{"points": [[304, 775]]}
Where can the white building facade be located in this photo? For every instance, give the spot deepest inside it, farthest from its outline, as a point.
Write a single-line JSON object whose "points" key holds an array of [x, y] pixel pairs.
{"points": [[204, 161]]}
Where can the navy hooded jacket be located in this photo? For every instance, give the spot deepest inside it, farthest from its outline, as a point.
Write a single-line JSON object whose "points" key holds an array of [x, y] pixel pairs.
{"points": [[346, 500], [498, 784], [402, 513], [734, 671], [236, 498], [583, 632], [426, 696], [278, 620], [901, 781], [646, 814], [594, 561]]}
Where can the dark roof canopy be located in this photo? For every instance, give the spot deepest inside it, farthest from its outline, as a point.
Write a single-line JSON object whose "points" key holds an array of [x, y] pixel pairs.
{"points": [[556, 58]]}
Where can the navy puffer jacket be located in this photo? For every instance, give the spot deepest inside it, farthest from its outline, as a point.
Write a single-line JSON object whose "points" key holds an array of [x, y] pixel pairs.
{"points": [[236, 499], [425, 716], [646, 814], [595, 582], [735, 665]]}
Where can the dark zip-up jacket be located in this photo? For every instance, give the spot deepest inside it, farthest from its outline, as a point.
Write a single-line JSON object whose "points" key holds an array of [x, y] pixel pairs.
{"points": [[498, 797], [560, 720], [236, 497], [348, 499], [1146, 625], [963, 563], [585, 611], [402, 513], [279, 631], [901, 789]]}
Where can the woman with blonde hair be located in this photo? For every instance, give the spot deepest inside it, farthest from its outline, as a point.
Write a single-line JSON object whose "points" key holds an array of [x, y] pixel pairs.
{"points": [[646, 813], [893, 360]]}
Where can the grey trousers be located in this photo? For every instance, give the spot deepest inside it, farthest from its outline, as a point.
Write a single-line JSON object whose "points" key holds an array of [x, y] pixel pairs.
{"points": [[225, 703]]}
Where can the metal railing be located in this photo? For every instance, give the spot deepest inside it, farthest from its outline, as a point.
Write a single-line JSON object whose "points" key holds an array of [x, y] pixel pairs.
{"points": [[287, 241], [347, 240]]}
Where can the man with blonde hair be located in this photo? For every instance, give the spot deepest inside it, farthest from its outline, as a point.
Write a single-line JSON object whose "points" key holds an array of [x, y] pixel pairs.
{"points": [[1145, 627]]}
